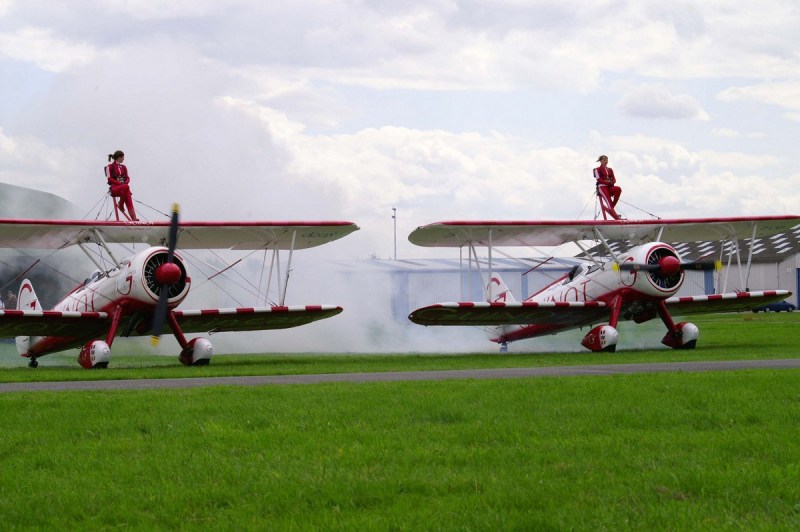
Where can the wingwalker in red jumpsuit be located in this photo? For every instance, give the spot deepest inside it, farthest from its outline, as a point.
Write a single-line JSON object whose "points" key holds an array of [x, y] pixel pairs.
{"points": [[607, 189], [118, 180]]}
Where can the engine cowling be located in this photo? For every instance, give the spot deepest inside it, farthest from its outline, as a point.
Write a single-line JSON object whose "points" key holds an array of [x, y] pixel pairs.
{"points": [[653, 270], [669, 275], [157, 273]]}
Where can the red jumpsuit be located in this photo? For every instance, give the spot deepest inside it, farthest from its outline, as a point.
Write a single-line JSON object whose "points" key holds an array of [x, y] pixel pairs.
{"points": [[117, 175], [606, 185]]}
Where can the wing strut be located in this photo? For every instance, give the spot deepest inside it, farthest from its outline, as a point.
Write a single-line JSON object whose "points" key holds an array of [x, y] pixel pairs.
{"points": [[461, 271], [275, 266], [103, 244], [750, 256], [288, 268], [739, 262], [269, 279], [477, 265], [599, 236], [91, 257], [488, 283], [586, 253]]}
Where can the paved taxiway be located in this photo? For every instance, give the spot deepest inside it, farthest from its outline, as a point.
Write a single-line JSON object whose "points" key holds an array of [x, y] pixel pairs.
{"points": [[494, 373]]}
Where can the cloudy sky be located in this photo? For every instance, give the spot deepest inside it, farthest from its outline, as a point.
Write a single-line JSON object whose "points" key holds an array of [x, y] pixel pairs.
{"points": [[444, 109]]}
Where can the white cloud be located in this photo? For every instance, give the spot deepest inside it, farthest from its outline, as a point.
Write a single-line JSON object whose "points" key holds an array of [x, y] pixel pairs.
{"points": [[150, 10], [728, 133], [653, 101], [250, 111], [42, 47], [784, 94]]}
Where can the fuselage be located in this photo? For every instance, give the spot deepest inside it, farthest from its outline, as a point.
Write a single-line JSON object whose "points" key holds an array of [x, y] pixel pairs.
{"points": [[604, 282], [131, 290]]}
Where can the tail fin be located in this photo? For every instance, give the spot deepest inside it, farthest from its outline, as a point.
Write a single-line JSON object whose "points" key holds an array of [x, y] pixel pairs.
{"points": [[498, 291], [27, 300]]}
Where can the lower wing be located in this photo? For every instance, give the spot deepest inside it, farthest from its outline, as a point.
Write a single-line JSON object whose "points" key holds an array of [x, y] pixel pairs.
{"points": [[95, 324], [731, 302], [52, 323], [524, 313], [252, 319]]}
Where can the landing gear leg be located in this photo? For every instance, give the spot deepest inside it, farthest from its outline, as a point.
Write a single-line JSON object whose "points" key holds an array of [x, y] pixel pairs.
{"points": [[195, 352], [682, 335]]}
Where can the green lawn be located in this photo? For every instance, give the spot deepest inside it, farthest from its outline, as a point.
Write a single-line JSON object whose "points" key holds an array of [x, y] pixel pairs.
{"points": [[651, 451], [677, 451]]}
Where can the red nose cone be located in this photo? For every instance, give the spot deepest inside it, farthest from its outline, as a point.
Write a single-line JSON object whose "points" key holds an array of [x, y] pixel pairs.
{"points": [[168, 273], [670, 265]]}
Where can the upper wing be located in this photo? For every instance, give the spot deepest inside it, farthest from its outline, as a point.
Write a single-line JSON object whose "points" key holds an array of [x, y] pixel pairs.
{"points": [[52, 323], [517, 313], [731, 302], [252, 319], [554, 233], [57, 234]]}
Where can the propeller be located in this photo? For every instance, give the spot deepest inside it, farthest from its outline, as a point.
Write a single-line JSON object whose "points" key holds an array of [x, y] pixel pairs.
{"points": [[166, 274], [669, 265]]}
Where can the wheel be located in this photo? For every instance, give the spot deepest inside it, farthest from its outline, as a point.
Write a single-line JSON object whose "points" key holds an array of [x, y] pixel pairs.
{"points": [[504, 347], [33, 363]]}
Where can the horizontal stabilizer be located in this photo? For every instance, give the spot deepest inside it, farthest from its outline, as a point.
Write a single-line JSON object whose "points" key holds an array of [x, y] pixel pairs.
{"points": [[252, 319], [524, 313], [730, 302]]}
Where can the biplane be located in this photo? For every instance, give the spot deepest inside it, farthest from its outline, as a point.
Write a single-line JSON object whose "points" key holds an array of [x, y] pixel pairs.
{"points": [[137, 296], [632, 271]]}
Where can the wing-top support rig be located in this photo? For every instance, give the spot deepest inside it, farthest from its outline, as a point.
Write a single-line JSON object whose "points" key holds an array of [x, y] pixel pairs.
{"points": [[634, 271]]}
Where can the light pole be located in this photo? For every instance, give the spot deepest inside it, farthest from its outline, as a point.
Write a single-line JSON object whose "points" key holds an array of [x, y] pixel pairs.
{"points": [[394, 218]]}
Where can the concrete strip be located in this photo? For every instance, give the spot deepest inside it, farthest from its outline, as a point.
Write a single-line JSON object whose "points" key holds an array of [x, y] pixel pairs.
{"points": [[398, 376]]}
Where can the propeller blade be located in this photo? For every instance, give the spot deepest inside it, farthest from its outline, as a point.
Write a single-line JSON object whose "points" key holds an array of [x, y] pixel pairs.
{"points": [[161, 309], [704, 265], [635, 267], [699, 265], [159, 316], [173, 232]]}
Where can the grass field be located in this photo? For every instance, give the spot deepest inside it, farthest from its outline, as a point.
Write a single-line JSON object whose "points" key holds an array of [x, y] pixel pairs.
{"points": [[723, 337], [655, 451]]}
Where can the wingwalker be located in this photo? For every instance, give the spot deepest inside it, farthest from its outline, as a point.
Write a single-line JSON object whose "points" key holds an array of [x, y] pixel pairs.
{"points": [[138, 295], [637, 284]]}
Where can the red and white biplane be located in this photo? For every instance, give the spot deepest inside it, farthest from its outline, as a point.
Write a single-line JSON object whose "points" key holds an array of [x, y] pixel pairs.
{"points": [[137, 295], [633, 273]]}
